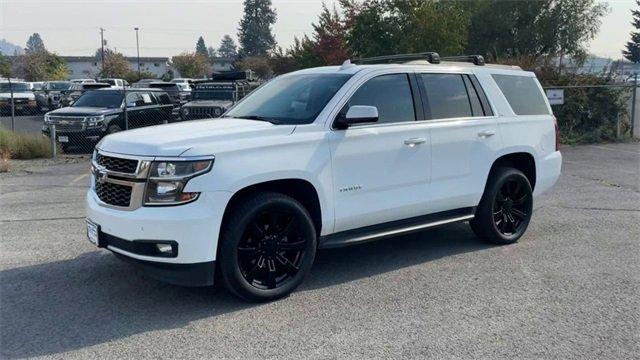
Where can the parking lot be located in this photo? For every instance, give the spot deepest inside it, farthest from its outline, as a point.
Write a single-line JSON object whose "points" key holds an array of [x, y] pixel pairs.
{"points": [[569, 289]]}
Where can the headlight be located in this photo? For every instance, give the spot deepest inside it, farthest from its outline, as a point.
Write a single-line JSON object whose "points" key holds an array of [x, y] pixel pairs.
{"points": [[47, 120], [94, 121], [185, 111], [167, 180]]}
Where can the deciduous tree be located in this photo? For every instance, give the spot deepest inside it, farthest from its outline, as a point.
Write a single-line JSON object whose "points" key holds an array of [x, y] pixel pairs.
{"points": [[191, 65]]}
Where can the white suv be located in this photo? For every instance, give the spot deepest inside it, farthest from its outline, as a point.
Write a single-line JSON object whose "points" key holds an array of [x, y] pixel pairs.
{"points": [[321, 158]]}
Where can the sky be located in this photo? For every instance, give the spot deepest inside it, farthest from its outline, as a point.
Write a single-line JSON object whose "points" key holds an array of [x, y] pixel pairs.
{"points": [[169, 27]]}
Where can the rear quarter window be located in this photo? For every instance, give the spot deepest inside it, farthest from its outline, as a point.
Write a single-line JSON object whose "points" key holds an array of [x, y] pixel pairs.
{"points": [[523, 94]]}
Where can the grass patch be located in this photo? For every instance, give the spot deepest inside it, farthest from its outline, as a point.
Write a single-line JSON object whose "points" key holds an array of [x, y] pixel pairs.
{"points": [[23, 146]]}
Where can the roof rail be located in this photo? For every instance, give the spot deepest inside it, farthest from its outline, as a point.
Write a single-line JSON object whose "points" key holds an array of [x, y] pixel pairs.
{"points": [[432, 57], [475, 59]]}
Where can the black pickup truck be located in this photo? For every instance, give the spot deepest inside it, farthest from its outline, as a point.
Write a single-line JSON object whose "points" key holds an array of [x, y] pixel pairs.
{"points": [[101, 112]]}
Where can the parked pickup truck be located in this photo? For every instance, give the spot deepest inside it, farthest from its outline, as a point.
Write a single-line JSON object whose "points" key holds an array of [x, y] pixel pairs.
{"points": [[326, 157], [24, 101], [98, 113]]}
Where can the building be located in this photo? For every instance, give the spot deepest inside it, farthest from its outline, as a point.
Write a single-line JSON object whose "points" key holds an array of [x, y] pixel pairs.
{"points": [[81, 67]]}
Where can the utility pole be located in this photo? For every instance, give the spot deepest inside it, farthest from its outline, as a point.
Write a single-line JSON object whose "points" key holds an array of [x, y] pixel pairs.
{"points": [[138, 51], [102, 48]]}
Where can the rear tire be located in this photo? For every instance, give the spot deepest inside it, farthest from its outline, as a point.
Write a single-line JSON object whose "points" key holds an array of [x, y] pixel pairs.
{"points": [[505, 210], [268, 245]]}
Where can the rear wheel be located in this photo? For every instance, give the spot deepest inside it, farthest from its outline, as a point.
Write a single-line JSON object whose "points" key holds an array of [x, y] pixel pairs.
{"points": [[506, 207], [268, 246]]}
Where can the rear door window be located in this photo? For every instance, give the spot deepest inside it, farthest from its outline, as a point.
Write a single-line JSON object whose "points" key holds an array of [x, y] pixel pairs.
{"points": [[446, 96], [391, 94], [523, 94]]}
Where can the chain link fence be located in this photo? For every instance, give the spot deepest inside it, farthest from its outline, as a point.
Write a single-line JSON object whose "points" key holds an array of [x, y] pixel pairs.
{"points": [[75, 119], [595, 113], [82, 114]]}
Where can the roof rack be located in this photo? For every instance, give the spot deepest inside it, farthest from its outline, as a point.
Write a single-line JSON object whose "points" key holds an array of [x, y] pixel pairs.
{"points": [[432, 57], [475, 59]]}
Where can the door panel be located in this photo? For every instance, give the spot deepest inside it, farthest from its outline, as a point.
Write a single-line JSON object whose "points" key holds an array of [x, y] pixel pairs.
{"points": [[463, 140], [377, 177], [462, 153]]}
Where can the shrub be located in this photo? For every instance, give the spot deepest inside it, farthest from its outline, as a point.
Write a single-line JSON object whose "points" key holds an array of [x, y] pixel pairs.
{"points": [[591, 114], [23, 146]]}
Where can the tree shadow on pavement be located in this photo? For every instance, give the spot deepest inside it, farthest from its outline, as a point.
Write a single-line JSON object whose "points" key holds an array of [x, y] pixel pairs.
{"points": [[94, 298]]}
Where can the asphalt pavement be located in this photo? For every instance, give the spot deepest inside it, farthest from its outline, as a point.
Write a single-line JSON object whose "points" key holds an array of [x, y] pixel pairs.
{"points": [[570, 289], [27, 124]]}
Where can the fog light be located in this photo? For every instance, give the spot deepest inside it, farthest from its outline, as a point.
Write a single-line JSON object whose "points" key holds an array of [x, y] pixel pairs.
{"points": [[165, 248]]}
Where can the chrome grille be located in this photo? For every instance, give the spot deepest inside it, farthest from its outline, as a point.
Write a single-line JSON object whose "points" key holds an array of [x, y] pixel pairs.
{"points": [[71, 127], [127, 166], [68, 123], [113, 194]]}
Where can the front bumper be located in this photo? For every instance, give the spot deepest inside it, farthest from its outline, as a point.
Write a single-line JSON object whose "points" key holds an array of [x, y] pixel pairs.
{"points": [[90, 135], [193, 227]]}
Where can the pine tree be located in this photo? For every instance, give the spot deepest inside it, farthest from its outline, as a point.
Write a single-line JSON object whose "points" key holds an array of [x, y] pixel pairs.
{"points": [[228, 48], [35, 44], [632, 53], [201, 48], [255, 34]]}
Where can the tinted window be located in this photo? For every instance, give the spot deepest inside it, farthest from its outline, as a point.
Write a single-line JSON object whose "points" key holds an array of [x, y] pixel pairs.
{"points": [[106, 99], [523, 94], [391, 94], [4, 87], [164, 99], [289, 99], [476, 106], [446, 95]]}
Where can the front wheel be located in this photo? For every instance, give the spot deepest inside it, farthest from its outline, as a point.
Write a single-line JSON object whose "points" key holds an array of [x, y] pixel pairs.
{"points": [[506, 207], [267, 247]]}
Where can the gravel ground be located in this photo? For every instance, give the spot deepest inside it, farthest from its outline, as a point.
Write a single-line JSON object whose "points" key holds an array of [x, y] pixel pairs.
{"points": [[570, 289]]}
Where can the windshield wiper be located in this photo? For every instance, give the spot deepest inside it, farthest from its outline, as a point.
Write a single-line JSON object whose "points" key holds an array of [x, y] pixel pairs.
{"points": [[259, 118]]}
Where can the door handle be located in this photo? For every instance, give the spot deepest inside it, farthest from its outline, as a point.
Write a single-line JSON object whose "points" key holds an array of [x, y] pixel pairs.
{"points": [[486, 133], [414, 141]]}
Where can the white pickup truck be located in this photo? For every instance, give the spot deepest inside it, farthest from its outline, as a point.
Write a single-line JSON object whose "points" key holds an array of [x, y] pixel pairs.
{"points": [[326, 157]]}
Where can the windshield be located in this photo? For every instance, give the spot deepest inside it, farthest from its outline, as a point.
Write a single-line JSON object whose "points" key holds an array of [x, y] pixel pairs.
{"points": [[102, 99], [167, 87], [107, 81], [59, 85], [213, 92], [291, 99], [4, 87]]}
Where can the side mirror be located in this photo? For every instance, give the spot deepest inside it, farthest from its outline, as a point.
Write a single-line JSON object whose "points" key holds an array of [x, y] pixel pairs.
{"points": [[358, 114]]}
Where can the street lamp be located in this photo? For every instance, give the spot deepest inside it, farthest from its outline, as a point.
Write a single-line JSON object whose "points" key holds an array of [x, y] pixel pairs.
{"points": [[138, 51]]}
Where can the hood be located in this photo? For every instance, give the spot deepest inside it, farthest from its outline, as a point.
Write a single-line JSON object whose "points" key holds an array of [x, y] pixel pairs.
{"points": [[78, 111], [18, 95], [210, 103], [177, 139]]}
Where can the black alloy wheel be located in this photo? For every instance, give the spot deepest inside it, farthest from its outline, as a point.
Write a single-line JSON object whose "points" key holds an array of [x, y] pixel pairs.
{"points": [[267, 247], [505, 209], [271, 250], [512, 207]]}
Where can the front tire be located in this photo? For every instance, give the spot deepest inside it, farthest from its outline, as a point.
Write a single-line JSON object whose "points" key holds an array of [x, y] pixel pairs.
{"points": [[505, 210], [268, 246]]}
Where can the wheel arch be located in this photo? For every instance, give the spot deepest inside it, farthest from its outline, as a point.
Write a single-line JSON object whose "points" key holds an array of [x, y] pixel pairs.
{"points": [[521, 160], [300, 189]]}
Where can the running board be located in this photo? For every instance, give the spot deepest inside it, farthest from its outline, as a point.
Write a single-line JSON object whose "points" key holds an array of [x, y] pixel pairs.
{"points": [[394, 228]]}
